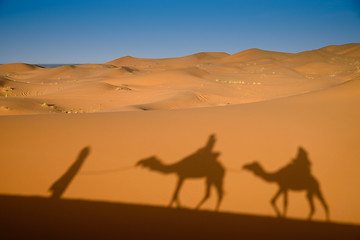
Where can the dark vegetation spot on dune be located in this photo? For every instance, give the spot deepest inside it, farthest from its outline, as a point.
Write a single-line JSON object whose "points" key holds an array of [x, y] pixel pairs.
{"points": [[144, 108], [129, 69], [123, 88], [5, 108], [47, 105]]}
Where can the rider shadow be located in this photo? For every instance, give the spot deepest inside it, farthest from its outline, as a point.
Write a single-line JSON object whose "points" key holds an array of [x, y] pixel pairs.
{"points": [[59, 186], [201, 164], [294, 176]]}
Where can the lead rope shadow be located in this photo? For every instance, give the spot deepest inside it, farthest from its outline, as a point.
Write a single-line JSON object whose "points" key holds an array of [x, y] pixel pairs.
{"points": [[59, 186], [201, 164], [294, 176]]}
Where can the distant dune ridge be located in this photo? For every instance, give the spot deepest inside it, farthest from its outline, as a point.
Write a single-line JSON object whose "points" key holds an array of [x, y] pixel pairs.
{"points": [[214, 78], [261, 106], [18, 67]]}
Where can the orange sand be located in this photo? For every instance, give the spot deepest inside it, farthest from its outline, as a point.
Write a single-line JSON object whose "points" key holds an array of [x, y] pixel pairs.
{"points": [[261, 105]]}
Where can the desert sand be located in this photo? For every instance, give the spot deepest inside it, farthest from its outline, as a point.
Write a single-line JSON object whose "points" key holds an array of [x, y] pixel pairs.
{"points": [[261, 106]]}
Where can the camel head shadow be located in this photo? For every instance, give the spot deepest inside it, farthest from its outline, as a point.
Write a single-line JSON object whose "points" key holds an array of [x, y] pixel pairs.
{"points": [[201, 164], [152, 163]]}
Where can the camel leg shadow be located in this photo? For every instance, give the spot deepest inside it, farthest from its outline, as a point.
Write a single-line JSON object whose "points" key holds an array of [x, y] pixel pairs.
{"points": [[207, 195], [218, 187], [175, 198], [273, 203]]}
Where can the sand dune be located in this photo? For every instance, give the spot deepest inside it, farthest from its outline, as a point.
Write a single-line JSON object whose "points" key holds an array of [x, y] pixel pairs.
{"points": [[249, 76], [187, 99], [350, 50], [17, 67], [323, 122], [168, 63], [259, 110], [254, 54]]}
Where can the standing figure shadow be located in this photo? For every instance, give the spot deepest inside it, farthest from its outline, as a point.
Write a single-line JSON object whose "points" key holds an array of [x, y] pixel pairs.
{"points": [[201, 164], [59, 186], [295, 176]]}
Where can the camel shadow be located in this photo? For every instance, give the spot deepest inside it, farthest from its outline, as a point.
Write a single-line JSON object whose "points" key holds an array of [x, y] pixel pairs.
{"points": [[59, 186], [294, 176], [201, 164]]}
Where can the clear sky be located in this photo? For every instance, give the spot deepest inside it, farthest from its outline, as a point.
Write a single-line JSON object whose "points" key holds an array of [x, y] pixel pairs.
{"points": [[87, 31]]}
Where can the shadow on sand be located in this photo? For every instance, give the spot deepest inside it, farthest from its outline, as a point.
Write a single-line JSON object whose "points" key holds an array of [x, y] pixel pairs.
{"points": [[59, 186], [295, 176], [42, 218], [201, 164]]}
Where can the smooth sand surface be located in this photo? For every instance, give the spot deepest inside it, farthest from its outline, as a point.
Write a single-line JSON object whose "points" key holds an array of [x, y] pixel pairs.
{"points": [[261, 106]]}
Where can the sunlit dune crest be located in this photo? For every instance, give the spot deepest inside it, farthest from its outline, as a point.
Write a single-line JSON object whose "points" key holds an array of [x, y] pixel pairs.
{"points": [[18, 67], [213, 78]]}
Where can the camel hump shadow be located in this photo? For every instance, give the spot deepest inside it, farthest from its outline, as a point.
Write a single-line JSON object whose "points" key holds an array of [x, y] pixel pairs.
{"points": [[201, 164], [294, 176]]}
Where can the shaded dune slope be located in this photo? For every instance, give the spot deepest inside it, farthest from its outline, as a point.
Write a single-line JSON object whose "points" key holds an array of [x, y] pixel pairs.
{"points": [[41, 218]]}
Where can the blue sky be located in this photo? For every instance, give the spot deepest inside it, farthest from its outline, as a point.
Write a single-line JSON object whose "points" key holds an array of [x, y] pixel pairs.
{"points": [[87, 31]]}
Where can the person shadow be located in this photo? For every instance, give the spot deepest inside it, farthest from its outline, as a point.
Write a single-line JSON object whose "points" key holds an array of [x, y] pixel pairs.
{"points": [[201, 164], [59, 186], [294, 176]]}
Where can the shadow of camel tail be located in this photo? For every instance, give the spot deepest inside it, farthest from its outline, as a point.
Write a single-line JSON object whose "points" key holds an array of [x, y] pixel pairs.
{"points": [[60, 185]]}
